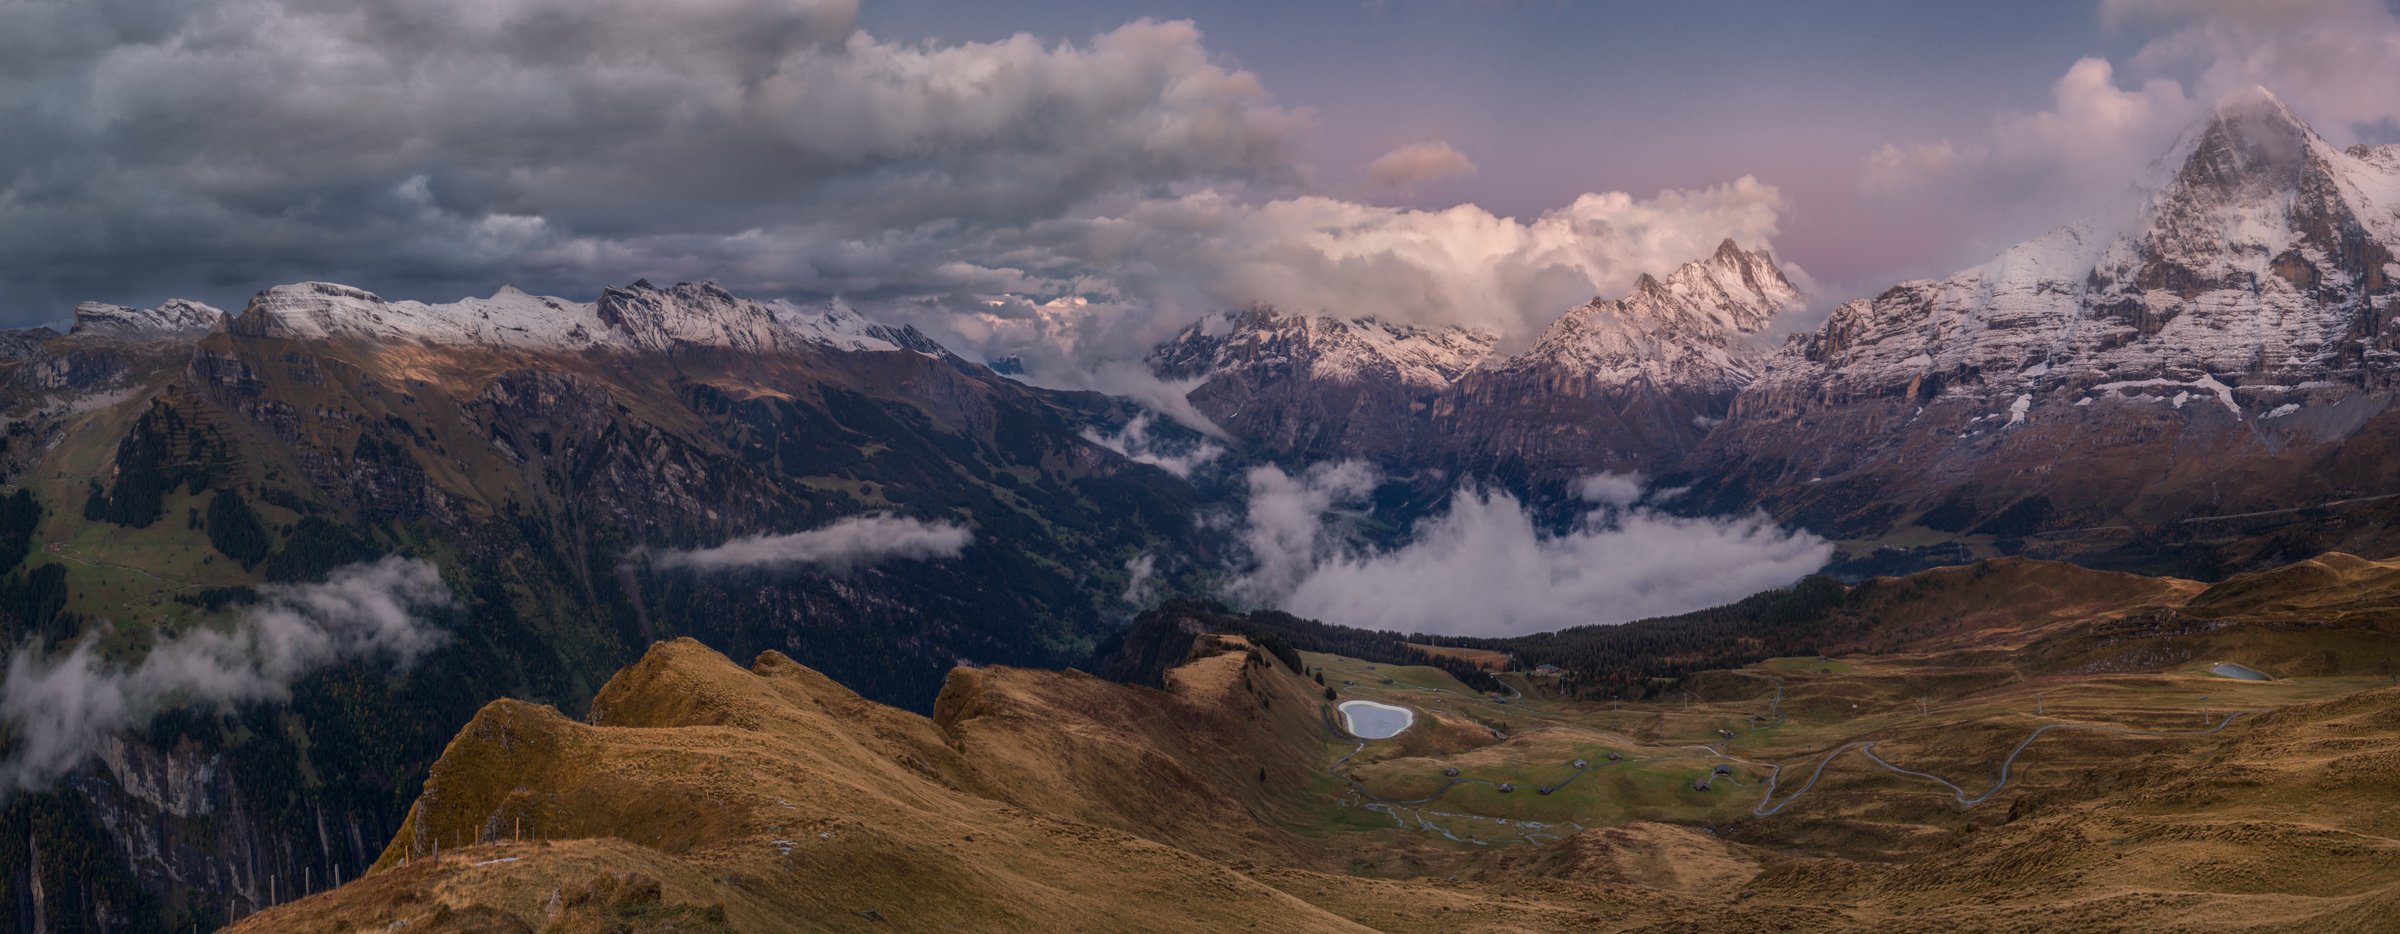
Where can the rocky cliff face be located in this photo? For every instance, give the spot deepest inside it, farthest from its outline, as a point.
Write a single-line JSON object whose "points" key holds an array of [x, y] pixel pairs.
{"points": [[1630, 384], [176, 318], [2157, 359], [1314, 388], [1618, 384]]}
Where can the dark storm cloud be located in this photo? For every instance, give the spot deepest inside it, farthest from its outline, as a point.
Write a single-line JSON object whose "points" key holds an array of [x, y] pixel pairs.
{"points": [[163, 147], [1067, 201]]}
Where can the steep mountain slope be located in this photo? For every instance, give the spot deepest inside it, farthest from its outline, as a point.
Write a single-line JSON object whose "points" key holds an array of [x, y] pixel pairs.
{"points": [[1619, 385], [707, 797], [2221, 344], [1629, 383], [537, 450], [1316, 388], [772, 798], [2334, 614], [1680, 333]]}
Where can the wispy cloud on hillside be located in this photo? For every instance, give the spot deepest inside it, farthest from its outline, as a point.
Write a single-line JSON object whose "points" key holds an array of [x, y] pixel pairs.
{"points": [[841, 547], [1139, 442], [57, 709]]}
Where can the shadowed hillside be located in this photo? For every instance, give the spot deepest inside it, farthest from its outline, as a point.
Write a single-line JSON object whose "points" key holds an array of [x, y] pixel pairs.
{"points": [[1946, 783]]}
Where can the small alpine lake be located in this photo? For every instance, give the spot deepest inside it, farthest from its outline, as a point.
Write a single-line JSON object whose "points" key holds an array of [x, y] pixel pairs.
{"points": [[1367, 719], [2239, 672]]}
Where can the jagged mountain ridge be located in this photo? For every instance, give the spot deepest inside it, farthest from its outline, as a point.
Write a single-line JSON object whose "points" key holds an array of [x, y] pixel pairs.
{"points": [[2216, 342], [1318, 387], [173, 318], [639, 318], [1682, 332], [1625, 383], [2221, 344], [2263, 254]]}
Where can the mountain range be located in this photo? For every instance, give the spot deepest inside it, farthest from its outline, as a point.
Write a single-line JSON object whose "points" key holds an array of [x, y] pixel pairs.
{"points": [[2217, 343], [2194, 383], [1619, 384]]}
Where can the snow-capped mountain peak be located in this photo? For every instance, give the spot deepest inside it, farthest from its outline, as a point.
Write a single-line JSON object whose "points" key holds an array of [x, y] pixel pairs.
{"points": [[1322, 347], [1686, 328], [2235, 311], [1619, 384], [2260, 255]]}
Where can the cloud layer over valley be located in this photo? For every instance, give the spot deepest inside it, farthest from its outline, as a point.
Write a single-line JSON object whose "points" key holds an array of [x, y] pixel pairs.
{"points": [[1484, 568]]}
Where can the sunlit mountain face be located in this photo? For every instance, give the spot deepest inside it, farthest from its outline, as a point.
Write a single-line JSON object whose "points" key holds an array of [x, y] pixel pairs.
{"points": [[766, 465]]}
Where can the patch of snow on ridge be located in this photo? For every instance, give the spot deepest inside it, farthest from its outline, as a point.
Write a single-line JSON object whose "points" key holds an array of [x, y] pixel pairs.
{"points": [[2282, 410], [2017, 409], [2205, 383], [639, 317], [1331, 349], [2223, 392]]}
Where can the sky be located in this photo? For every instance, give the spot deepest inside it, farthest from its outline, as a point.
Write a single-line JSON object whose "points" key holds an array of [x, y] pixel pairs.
{"points": [[1071, 180]]}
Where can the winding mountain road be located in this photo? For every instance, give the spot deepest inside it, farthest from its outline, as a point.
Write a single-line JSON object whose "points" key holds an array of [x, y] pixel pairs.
{"points": [[1768, 807]]}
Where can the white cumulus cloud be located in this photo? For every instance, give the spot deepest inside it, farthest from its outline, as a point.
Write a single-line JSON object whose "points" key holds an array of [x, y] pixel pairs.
{"points": [[2036, 169], [446, 145], [1168, 261], [2334, 62], [1416, 163]]}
